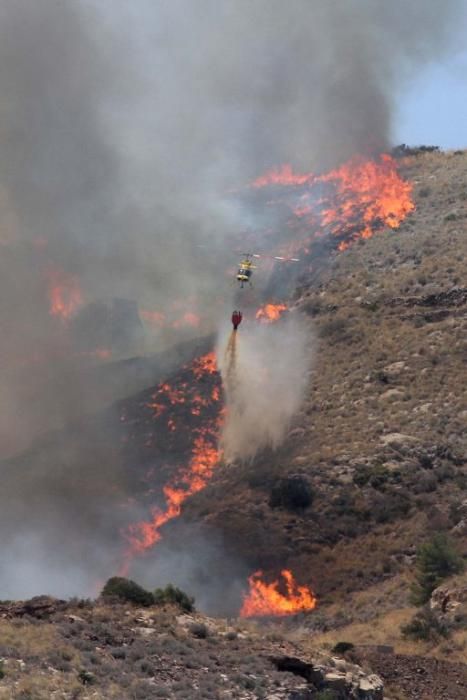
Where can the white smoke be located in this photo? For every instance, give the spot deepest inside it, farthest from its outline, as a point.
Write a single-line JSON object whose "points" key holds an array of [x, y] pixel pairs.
{"points": [[265, 386]]}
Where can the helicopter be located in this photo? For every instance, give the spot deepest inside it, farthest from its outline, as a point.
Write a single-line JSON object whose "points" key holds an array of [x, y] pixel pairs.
{"points": [[246, 267]]}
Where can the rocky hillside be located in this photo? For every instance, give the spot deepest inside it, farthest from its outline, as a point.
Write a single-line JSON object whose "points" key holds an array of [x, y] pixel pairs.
{"points": [[380, 449], [53, 649], [381, 437]]}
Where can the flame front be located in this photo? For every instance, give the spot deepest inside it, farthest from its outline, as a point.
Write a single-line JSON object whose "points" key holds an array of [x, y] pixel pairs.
{"points": [[351, 202], [269, 313], [264, 599], [144, 535], [205, 455], [65, 295]]}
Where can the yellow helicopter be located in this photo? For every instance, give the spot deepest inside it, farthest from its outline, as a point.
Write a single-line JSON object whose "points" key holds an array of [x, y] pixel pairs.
{"points": [[246, 267]]}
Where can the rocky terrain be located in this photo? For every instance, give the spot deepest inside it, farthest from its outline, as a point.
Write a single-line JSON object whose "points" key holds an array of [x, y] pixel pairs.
{"points": [[79, 649], [380, 445]]}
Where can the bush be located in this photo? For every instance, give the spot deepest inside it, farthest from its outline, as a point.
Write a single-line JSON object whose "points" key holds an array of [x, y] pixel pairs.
{"points": [[424, 626], [292, 493], [125, 589], [199, 630], [436, 560], [337, 330], [328, 694], [342, 647], [86, 677], [172, 595]]}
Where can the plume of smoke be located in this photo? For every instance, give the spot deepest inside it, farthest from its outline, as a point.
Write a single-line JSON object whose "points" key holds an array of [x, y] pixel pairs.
{"points": [[265, 387], [122, 125]]}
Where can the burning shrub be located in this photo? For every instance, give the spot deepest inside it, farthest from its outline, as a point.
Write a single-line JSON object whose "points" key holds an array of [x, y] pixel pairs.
{"points": [[436, 560], [125, 589], [172, 595], [293, 493]]}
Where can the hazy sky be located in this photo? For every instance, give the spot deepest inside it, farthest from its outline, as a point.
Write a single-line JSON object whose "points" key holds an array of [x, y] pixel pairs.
{"points": [[433, 108]]}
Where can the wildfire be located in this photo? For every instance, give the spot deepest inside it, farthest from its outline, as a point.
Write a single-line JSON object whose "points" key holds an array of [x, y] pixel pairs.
{"points": [[264, 599], [144, 535], [353, 201], [269, 313], [204, 365], [369, 192], [158, 319], [188, 319], [283, 175], [205, 455], [65, 295]]}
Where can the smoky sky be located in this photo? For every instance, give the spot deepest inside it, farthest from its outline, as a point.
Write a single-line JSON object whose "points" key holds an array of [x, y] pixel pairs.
{"points": [[124, 127]]}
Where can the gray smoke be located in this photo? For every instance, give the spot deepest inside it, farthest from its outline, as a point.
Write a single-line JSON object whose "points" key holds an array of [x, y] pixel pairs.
{"points": [[124, 128]]}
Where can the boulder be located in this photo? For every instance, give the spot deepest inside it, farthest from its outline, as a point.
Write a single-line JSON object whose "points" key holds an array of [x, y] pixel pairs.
{"points": [[399, 440], [371, 688], [393, 394], [449, 601], [394, 370]]}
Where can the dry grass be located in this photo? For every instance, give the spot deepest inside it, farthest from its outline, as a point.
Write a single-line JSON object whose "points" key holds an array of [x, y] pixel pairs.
{"points": [[23, 639]]}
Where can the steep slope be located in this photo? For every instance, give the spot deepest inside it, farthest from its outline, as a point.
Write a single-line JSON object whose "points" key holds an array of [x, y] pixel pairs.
{"points": [[381, 436]]}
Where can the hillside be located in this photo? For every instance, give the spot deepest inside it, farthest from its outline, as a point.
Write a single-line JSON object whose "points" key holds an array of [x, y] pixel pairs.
{"points": [[380, 441], [103, 650], [381, 435]]}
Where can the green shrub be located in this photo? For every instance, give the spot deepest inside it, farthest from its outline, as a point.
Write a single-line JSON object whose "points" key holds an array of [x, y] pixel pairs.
{"points": [[172, 595], [342, 647], [199, 630], [292, 492], [376, 476], [436, 560], [424, 626], [2, 670], [86, 677], [328, 694], [125, 589]]}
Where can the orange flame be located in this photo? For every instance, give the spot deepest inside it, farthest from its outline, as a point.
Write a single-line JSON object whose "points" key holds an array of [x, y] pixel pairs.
{"points": [[204, 460], [351, 202], [158, 319], [207, 364], [144, 535], [370, 191], [269, 313], [283, 175], [188, 319], [65, 295], [265, 599]]}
